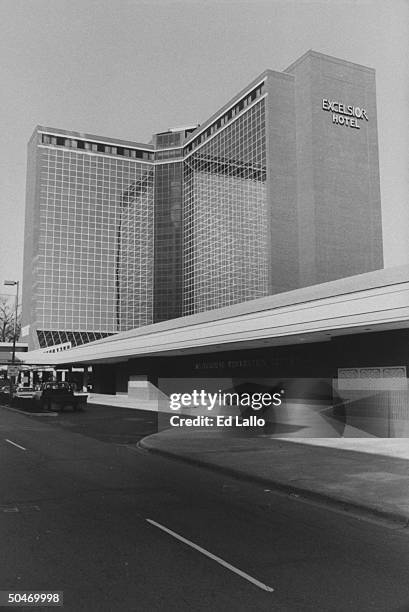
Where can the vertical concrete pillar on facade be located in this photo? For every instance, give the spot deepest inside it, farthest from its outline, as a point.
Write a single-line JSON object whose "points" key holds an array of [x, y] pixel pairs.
{"points": [[85, 379], [145, 395], [104, 378], [138, 386], [121, 378]]}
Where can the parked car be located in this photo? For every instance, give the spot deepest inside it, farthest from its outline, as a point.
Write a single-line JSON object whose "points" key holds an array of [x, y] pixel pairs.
{"points": [[59, 394], [22, 392], [5, 391], [21, 396]]}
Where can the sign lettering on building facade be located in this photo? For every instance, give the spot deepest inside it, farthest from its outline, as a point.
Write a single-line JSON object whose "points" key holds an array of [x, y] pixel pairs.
{"points": [[343, 114]]}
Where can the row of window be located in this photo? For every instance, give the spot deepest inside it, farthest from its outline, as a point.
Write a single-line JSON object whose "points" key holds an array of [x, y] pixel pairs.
{"points": [[168, 139], [90, 312], [95, 147], [235, 110], [159, 155], [83, 280], [85, 248], [76, 199], [109, 175], [94, 211], [51, 338], [99, 177], [94, 172]]}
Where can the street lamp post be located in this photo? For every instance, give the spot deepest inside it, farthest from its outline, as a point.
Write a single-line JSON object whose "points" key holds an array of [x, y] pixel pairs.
{"points": [[13, 357]]}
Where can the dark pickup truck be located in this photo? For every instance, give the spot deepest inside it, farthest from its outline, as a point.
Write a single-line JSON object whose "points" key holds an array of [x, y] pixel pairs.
{"points": [[59, 394]]}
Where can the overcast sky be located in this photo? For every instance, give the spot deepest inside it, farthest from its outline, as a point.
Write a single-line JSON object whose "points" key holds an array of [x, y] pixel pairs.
{"points": [[128, 68]]}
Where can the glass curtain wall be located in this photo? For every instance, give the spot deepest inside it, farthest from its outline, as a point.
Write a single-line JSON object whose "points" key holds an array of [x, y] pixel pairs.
{"points": [[225, 216], [95, 212], [168, 241]]}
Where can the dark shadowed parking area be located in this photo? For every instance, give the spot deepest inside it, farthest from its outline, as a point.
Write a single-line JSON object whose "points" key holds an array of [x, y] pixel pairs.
{"points": [[110, 424], [104, 423]]}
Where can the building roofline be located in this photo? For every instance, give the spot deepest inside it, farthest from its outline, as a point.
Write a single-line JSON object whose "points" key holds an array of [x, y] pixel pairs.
{"points": [[335, 60], [285, 74], [222, 110], [86, 136]]}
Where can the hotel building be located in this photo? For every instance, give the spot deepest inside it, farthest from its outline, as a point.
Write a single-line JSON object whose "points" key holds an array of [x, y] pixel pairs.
{"points": [[277, 190]]}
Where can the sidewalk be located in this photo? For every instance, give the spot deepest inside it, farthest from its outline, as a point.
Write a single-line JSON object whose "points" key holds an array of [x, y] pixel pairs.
{"points": [[369, 476]]}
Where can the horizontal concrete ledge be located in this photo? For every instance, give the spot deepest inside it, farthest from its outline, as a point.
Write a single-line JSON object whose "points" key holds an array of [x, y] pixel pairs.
{"points": [[378, 301], [121, 401]]}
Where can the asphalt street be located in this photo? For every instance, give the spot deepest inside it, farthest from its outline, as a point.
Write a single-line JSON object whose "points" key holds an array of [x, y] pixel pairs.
{"points": [[84, 511]]}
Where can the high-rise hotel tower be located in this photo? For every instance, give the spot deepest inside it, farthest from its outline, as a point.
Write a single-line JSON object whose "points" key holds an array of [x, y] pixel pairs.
{"points": [[279, 189]]}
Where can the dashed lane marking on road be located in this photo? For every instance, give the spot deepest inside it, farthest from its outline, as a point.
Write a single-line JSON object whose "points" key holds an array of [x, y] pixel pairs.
{"points": [[23, 507], [15, 444], [205, 552]]}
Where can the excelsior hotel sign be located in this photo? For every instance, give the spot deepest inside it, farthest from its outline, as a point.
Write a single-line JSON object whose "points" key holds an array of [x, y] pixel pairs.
{"points": [[343, 114]]}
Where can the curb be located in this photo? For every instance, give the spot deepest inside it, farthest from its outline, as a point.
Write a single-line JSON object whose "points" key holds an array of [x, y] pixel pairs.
{"points": [[360, 510], [37, 414]]}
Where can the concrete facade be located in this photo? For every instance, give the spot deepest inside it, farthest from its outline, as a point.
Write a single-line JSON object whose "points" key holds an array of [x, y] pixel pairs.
{"points": [[282, 182], [339, 206]]}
